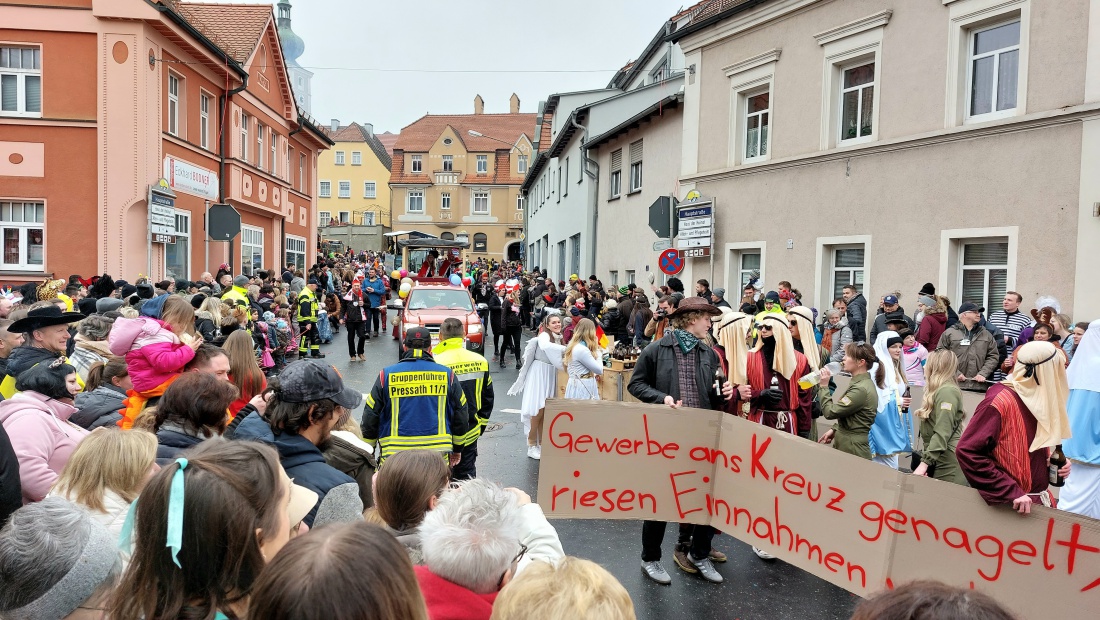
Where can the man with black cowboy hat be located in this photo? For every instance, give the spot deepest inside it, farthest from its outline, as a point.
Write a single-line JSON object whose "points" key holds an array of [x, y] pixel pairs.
{"points": [[679, 370], [47, 337]]}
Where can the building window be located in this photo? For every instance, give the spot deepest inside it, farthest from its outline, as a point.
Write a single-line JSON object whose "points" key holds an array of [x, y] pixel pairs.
{"points": [[521, 164], [345, 189], [575, 255], [260, 129], [847, 268], [448, 163], [636, 166], [757, 122], [245, 120], [447, 236], [302, 172], [994, 65], [177, 256], [483, 164], [749, 267], [630, 276], [565, 191], [326, 189], [615, 183], [614, 279], [559, 184], [416, 202], [23, 227], [21, 81], [983, 277], [339, 158], [273, 143], [356, 158], [324, 217], [857, 102], [296, 252], [562, 273], [204, 121], [445, 201], [345, 217], [481, 243], [417, 164], [368, 218], [481, 203], [173, 105], [370, 189], [252, 249], [519, 203]]}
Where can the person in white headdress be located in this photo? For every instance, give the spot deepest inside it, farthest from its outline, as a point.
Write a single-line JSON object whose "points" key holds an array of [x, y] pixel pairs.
{"points": [[1081, 495], [542, 359], [892, 433], [773, 370], [1004, 451]]}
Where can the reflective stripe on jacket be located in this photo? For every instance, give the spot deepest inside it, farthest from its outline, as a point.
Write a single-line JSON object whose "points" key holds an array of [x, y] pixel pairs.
{"points": [[307, 306], [472, 371]]}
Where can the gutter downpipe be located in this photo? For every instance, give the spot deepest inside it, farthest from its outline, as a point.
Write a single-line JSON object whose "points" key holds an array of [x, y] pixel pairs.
{"points": [[595, 176]]}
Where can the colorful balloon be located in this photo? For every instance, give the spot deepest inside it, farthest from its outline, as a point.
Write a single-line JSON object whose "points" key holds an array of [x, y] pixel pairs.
{"points": [[403, 293], [467, 281], [456, 280], [404, 272], [395, 274], [405, 287]]}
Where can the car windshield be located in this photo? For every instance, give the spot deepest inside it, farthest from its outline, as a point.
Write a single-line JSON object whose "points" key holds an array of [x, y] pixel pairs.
{"points": [[453, 299]]}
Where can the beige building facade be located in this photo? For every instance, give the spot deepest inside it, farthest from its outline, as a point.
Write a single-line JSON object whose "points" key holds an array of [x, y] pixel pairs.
{"points": [[889, 143]]}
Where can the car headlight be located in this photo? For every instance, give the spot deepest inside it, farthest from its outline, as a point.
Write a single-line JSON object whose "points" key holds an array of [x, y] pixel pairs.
{"points": [[475, 329]]}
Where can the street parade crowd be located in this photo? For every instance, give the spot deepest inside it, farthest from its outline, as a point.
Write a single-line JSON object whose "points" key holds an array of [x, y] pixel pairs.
{"points": [[178, 449]]}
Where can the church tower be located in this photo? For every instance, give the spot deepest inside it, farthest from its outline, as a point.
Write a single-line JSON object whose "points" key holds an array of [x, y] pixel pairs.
{"points": [[293, 46]]}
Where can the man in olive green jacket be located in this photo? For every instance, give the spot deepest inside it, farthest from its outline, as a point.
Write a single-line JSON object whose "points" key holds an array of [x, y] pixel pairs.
{"points": [[975, 348]]}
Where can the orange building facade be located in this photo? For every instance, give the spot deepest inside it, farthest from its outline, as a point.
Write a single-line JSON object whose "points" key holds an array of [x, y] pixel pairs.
{"points": [[101, 99]]}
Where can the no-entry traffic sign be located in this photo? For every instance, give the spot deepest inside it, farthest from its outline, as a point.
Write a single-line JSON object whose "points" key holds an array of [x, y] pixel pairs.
{"points": [[671, 263]]}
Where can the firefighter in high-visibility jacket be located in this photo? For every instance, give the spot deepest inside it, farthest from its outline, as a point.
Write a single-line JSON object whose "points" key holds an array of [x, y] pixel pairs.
{"points": [[416, 404], [472, 371], [307, 321]]}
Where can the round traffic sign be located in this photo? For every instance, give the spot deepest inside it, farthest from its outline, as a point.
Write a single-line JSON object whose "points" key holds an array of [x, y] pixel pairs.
{"points": [[671, 263]]}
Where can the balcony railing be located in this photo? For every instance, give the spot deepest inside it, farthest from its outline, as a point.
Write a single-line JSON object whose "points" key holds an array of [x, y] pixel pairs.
{"points": [[447, 177]]}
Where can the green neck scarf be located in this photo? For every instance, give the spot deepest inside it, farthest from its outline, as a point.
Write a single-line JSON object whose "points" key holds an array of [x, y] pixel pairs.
{"points": [[685, 339]]}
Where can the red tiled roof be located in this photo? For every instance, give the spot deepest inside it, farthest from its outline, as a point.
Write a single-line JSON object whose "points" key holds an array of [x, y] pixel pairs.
{"points": [[422, 134], [544, 135], [689, 10], [714, 7], [236, 28], [388, 140]]}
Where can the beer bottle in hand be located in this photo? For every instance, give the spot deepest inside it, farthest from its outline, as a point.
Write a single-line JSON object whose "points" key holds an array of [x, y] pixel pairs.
{"points": [[1057, 461]]}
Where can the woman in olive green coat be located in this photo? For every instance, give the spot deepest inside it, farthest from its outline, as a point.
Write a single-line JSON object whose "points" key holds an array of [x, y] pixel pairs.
{"points": [[856, 408], [941, 417]]}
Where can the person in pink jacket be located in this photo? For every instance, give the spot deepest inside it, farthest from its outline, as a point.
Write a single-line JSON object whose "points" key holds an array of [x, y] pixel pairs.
{"points": [[157, 345], [37, 422]]}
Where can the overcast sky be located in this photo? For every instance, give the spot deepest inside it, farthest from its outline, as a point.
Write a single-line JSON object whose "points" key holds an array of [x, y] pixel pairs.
{"points": [[500, 42]]}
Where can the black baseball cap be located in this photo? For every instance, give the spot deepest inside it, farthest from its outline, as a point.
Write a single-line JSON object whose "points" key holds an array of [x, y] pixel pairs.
{"points": [[418, 338], [306, 381], [970, 307]]}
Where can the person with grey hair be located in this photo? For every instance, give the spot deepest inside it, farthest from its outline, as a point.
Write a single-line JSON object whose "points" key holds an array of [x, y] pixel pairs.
{"points": [[91, 344], [56, 561], [835, 334], [475, 541]]}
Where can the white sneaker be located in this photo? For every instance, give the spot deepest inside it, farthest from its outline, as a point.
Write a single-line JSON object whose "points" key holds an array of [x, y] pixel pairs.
{"points": [[534, 452], [763, 555]]}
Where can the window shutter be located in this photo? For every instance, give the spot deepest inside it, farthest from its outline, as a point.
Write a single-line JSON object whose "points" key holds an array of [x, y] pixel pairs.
{"points": [[617, 160], [636, 152], [985, 254], [852, 257]]}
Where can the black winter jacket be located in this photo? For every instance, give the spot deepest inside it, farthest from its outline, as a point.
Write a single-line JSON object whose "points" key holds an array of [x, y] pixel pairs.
{"points": [[655, 374], [100, 407]]}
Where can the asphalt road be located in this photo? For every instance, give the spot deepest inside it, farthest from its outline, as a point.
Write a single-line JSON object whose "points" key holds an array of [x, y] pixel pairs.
{"points": [[753, 589]]}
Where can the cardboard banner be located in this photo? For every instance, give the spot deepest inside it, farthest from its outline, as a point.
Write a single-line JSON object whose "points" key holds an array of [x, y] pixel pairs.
{"points": [[854, 523]]}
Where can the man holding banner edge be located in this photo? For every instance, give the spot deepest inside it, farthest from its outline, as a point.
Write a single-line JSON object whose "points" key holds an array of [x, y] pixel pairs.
{"points": [[679, 370]]}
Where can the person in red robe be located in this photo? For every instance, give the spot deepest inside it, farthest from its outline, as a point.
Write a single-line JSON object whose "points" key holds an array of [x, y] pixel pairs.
{"points": [[781, 403], [1005, 450]]}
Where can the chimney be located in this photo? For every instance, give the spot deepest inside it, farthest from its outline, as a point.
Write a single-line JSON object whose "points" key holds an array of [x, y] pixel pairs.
{"points": [[479, 105], [513, 104], [370, 129], [335, 125]]}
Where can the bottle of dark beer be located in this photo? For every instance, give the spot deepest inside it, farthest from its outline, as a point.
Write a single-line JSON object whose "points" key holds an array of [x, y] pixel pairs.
{"points": [[1057, 461]]}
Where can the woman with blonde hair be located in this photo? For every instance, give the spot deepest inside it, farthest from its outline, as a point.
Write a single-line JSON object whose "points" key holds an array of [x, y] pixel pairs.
{"points": [[941, 417], [581, 363], [572, 588], [538, 378], [107, 472], [244, 370]]}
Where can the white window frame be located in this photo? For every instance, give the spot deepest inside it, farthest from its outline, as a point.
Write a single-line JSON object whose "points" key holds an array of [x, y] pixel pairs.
{"points": [[274, 151], [21, 74], [204, 119], [368, 218], [448, 163], [631, 276], [558, 192], [302, 172], [343, 189], [182, 232], [357, 158], [339, 161], [748, 78], [521, 164], [826, 256], [965, 17], [295, 246], [951, 253], [409, 201], [445, 201], [873, 85], [174, 103], [844, 47], [734, 256], [615, 175], [636, 178], [260, 131], [323, 218], [324, 189], [565, 183], [995, 54], [246, 120], [23, 228], [519, 202], [246, 231], [474, 197], [370, 189], [417, 164], [483, 164], [344, 217]]}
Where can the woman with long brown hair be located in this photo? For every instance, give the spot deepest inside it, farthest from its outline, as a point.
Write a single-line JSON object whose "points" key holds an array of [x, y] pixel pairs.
{"points": [[581, 363], [244, 370], [405, 490], [855, 409], [941, 417]]}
